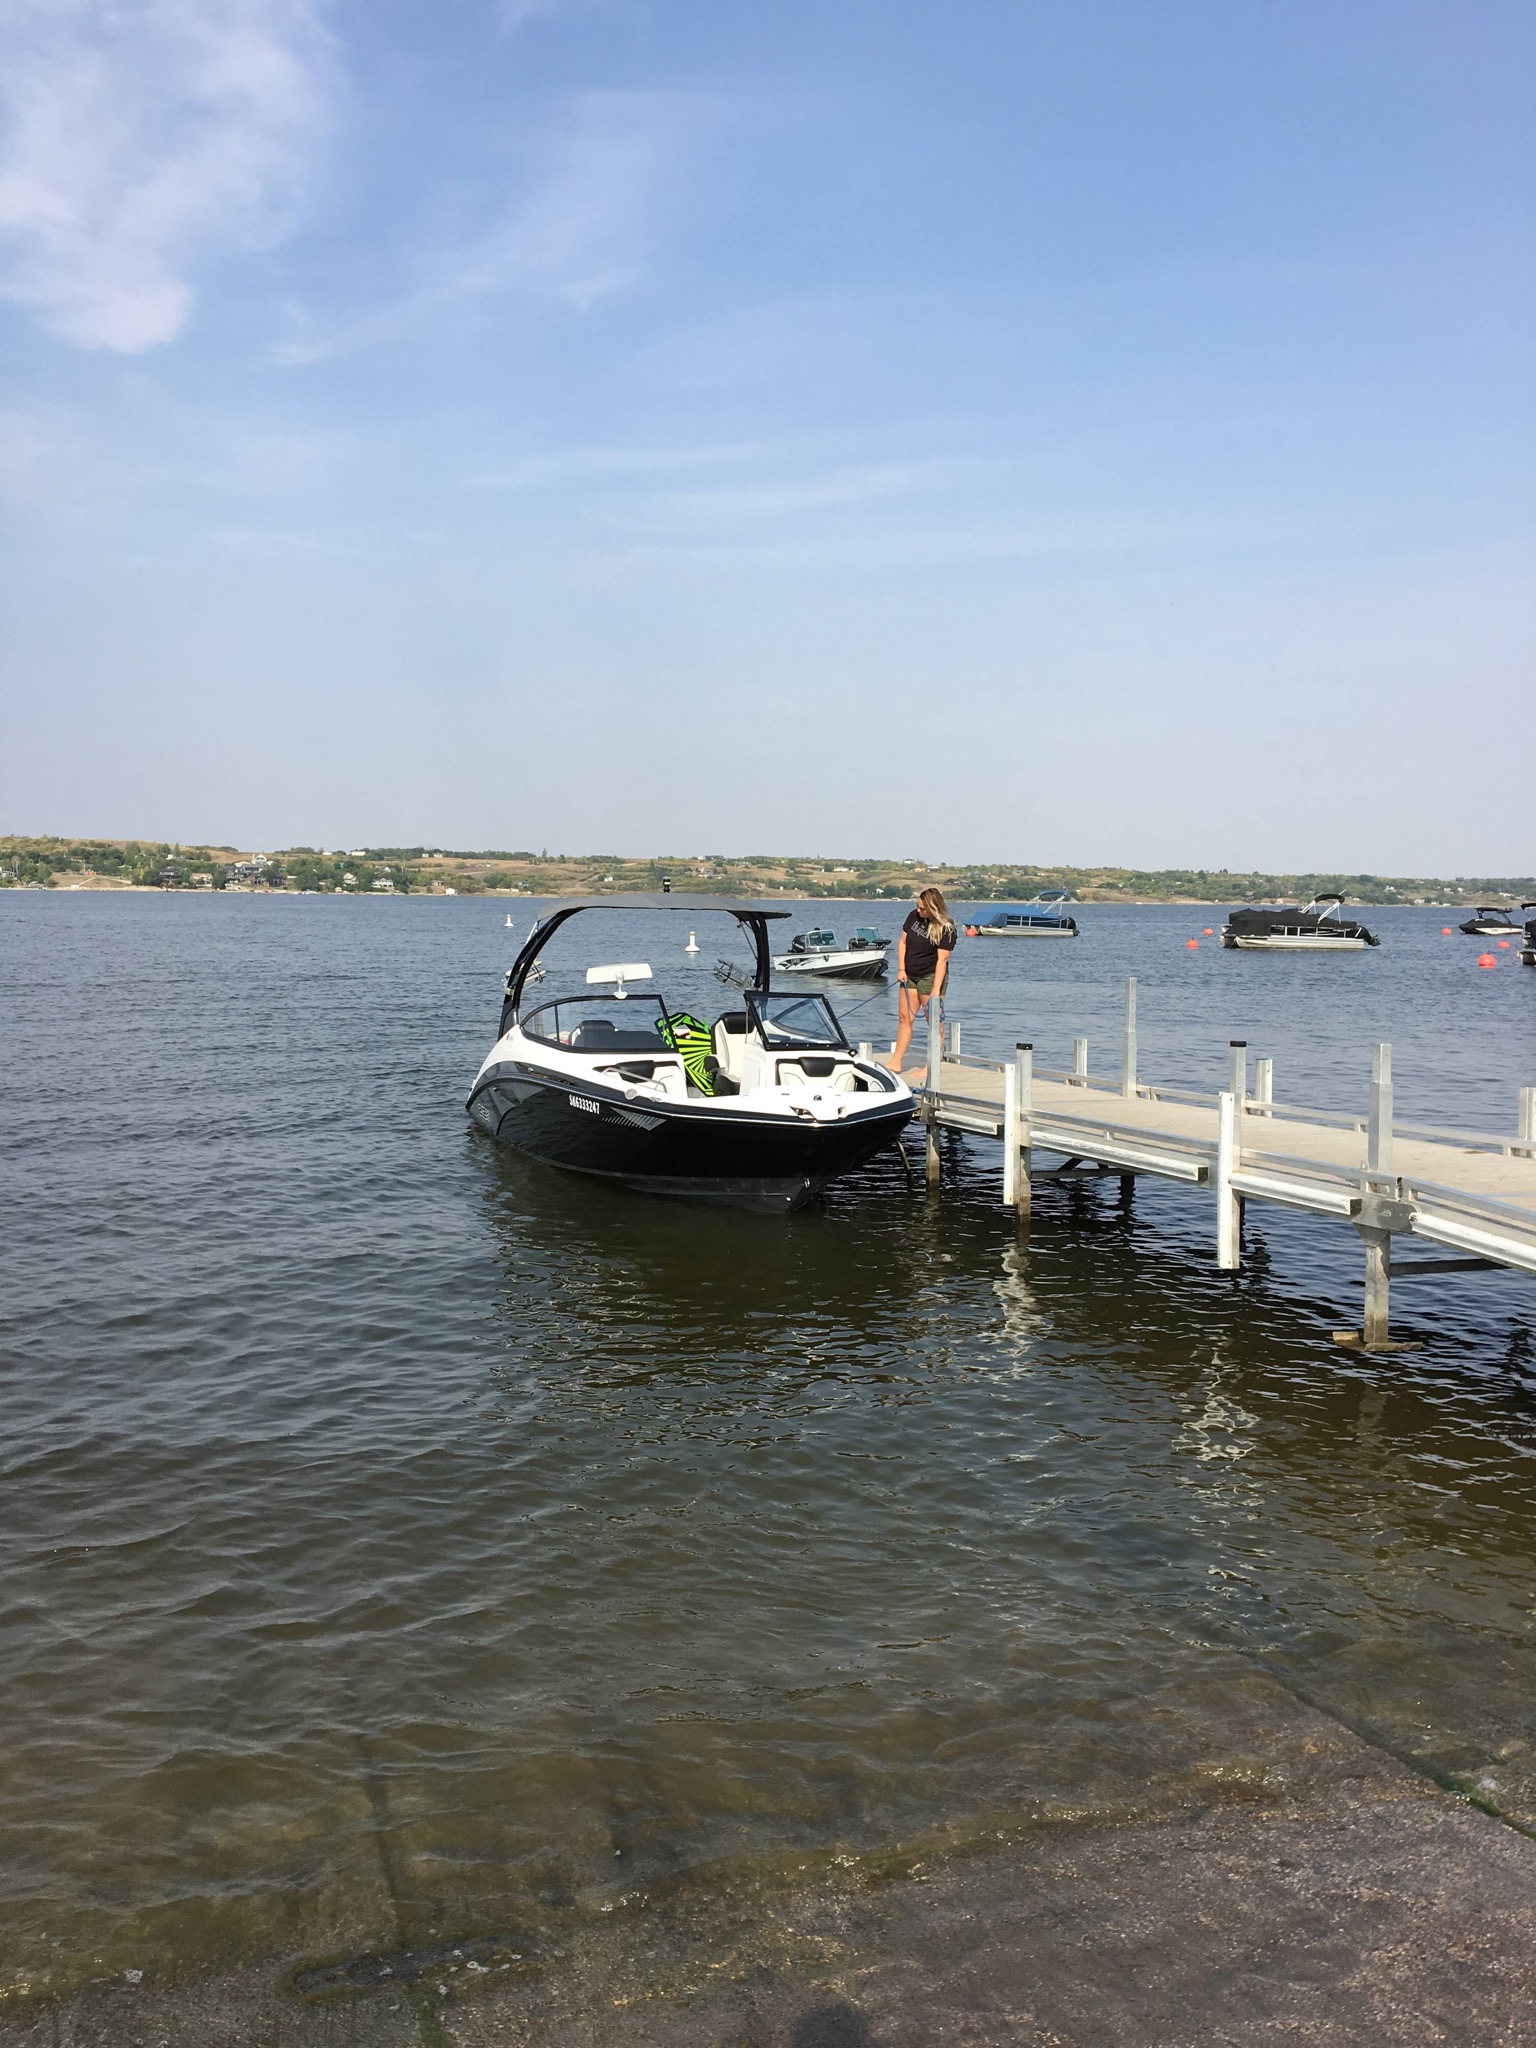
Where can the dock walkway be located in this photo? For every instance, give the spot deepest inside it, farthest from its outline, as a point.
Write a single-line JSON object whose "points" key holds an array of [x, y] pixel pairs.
{"points": [[1469, 1193]]}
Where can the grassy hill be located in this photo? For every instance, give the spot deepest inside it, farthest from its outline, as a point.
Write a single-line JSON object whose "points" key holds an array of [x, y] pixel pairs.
{"points": [[127, 863]]}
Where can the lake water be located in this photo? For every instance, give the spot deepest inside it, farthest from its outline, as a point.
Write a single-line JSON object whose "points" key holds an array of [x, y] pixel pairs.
{"points": [[404, 1540]]}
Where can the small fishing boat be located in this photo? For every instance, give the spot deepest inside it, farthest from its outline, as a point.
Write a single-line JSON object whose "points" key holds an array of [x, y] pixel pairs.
{"points": [[759, 1109], [1492, 923], [1318, 927], [817, 952], [1528, 950], [1040, 918]]}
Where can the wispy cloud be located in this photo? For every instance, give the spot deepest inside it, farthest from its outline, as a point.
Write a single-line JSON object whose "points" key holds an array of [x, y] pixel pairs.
{"points": [[582, 228], [516, 14], [138, 137]]}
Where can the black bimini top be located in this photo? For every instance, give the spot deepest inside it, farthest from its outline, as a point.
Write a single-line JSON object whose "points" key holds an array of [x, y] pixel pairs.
{"points": [[754, 916]]}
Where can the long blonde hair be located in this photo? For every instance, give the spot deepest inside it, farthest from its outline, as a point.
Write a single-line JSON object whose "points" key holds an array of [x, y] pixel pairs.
{"points": [[934, 912]]}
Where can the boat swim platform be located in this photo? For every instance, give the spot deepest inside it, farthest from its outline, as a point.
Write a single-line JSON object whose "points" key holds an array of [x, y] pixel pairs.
{"points": [[1467, 1194]]}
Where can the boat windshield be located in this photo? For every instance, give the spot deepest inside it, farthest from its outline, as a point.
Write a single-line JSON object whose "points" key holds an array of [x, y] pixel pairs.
{"points": [[606, 1023], [866, 935], [794, 1020]]}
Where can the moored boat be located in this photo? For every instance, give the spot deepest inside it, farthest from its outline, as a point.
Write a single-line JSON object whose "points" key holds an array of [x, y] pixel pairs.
{"points": [[817, 952], [1040, 918], [1316, 927], [759, 1109], [1490, 922]]}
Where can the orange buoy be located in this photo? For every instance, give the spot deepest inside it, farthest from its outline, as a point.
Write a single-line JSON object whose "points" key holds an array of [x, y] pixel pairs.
{"points": [[1503, 945], [1192, 945], [1209, 932], [1487, 959], [1445, 931]]}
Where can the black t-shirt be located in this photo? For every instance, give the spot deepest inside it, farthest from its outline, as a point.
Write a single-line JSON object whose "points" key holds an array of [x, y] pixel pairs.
{"points": [[922, 953]]}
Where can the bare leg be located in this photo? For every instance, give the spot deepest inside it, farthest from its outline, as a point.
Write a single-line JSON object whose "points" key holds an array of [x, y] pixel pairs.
{"points": [[907, 1003]]}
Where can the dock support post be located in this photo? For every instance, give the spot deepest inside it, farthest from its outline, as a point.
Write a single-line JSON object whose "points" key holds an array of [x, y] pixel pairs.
{"points": [[952, 1038], [1378, 1142], [1080, 1063], [1378, 1289], [1264, 1086], [1018, 1101], [1527, 1124], [866, 1048], [1229, 1210], [1237, 1049], [1128, 1056], [1382, 1213], [935, 1083]]}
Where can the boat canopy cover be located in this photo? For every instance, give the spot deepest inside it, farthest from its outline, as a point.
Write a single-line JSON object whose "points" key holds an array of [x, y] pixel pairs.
{"points": [[1286, 917]]}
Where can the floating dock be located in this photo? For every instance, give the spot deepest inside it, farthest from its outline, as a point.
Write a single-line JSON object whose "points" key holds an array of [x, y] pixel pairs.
{"points": [[1468, 1193]]}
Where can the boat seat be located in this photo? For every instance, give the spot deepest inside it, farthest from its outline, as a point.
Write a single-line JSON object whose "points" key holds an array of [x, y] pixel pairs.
{"points": [[728, 1036], [598, 1035], [814, 1071]]}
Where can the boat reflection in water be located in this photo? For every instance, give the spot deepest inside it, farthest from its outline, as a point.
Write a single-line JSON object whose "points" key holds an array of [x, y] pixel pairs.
{"points": [[760, 1108]]}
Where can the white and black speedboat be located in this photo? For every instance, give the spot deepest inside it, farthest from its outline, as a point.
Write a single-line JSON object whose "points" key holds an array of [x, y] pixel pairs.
{"points": [[1491, 922], [817, 952], [1318, 927], [759, 1108], [1040, 918]]}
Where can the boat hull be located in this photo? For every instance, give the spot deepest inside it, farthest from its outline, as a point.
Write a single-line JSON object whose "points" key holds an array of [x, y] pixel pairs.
{"points": [[849, 966], [688, 1151], [1026, 931], [1294, 942]]}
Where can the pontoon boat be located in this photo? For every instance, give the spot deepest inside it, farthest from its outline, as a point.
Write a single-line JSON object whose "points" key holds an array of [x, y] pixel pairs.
{"points": [[1040, 918], [1316, 928], [759, 1109]]}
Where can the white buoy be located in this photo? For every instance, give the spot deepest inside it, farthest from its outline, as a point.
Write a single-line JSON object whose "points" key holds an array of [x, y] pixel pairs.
{"points": [[510, 926], [693, 944]]}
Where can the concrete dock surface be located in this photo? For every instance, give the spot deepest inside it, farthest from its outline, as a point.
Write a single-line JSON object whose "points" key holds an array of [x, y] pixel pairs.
{"points": [[1318, 1892]]}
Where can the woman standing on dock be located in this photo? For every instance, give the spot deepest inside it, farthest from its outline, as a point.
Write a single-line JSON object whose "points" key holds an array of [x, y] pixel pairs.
{"points": [[922, 966]]}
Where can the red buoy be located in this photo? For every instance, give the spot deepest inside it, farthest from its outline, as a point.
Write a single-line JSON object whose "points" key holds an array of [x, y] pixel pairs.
{"points": [[1193, 945], [1487, 959]]}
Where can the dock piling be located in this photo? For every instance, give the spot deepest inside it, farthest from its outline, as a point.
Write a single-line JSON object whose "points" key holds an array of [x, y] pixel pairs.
{"points": [[935, 1083], [1017, 1102], [1128, 1055], [1378, 1289], [1080, 1062], [1264, 1087], [1238, 1051], [1378, 1143], [1527, 1124], [1229, 1204]]}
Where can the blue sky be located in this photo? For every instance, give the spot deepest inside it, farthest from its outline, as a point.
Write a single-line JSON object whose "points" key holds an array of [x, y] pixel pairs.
{"points": [[1061, 431]]}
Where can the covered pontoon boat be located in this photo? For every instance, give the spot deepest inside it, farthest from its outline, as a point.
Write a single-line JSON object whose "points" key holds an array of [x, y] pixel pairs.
{"points": [[760, 1108], [1318, 927], [1040, 918]]}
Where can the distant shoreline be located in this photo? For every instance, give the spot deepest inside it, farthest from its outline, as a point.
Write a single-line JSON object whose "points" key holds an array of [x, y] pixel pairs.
{"points": [[93, 865], [507, 896]]}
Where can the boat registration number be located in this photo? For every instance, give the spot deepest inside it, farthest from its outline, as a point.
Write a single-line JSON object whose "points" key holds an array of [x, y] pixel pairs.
{"points": [[581, 1102]]}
